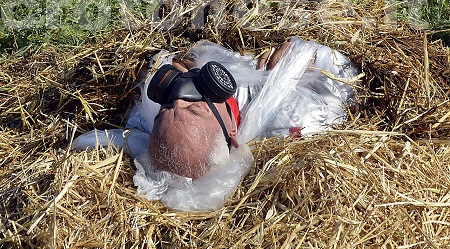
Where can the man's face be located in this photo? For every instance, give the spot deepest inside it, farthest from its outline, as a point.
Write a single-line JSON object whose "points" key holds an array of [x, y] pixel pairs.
{"points": [[197, 114], [184, 133]]}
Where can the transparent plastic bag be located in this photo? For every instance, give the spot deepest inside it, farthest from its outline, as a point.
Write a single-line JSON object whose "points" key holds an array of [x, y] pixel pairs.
{"points": [[133, 141], [242, 67], [297, 93], [282, 80], [208, 192]]}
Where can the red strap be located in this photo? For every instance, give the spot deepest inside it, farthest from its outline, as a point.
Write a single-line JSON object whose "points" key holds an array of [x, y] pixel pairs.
{"points": [[234, 109]]}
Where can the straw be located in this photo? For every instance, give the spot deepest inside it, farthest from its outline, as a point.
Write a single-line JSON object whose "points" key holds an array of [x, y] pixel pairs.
{"points": [[379, 180]]}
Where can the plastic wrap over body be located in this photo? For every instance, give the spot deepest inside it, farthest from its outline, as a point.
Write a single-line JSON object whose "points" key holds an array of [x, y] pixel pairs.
{"points": [[295, 94], [298, 95], [281, 82]]}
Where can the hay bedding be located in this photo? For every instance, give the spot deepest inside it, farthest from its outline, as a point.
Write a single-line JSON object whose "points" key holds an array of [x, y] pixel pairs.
{"points": [[379, 180]]}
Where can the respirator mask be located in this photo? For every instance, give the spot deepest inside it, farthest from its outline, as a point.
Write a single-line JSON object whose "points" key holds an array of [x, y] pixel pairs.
{"points": [[212, 83]]}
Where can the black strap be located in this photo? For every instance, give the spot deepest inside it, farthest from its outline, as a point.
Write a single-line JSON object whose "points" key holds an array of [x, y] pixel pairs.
{"points": [[229, 110], [216, 113]]}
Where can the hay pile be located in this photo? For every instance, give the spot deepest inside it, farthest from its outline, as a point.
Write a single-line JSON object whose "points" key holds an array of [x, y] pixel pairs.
{"points": [[380, 180]]}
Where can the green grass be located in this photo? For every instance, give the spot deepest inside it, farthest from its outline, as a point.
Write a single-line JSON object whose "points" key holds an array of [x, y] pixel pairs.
{"points": [[61, 22], [437, 14], [22, 25], [26, 23]]}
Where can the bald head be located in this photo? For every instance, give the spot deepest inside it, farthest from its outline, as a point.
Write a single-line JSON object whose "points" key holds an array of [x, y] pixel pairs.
{"points": [[187, 139]]}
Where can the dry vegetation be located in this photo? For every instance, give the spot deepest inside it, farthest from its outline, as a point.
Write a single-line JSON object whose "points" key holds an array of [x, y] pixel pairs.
{"points": [[382, 179]]}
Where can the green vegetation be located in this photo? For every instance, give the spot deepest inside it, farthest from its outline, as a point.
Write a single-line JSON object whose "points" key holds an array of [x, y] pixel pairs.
{"points": [[437, 14], [26, 23], [62, 22]]}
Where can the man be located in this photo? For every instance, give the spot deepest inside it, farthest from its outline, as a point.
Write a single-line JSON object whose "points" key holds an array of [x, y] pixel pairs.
{"points": [[190, 153], [190, 140]]}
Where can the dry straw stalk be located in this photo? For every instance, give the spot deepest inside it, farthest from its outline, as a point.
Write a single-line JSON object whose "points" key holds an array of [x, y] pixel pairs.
{"points": [[381, 180]]}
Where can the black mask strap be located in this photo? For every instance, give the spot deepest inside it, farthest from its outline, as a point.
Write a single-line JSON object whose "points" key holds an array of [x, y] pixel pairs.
{"points": [[216, 113], [229, 110]]}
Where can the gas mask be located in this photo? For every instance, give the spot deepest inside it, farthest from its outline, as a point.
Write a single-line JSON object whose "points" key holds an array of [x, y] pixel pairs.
{"points": [[212, 83]]}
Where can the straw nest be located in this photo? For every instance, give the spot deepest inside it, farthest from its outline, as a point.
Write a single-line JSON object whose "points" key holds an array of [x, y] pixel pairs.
{"points": [[380, 180]]}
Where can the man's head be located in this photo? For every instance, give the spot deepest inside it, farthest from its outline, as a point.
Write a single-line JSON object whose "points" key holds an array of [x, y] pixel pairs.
{"points": [[193, 129], [187, 138]]}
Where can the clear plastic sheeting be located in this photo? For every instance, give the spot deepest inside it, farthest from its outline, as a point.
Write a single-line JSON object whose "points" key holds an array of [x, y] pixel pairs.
{"points": [[144, 111], [208, 192], [133, 141], [242, 67], [295, 94], [282, 80]]}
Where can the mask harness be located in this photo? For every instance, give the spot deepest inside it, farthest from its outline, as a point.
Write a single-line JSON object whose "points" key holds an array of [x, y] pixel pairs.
{"points": [[212, 83]]}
